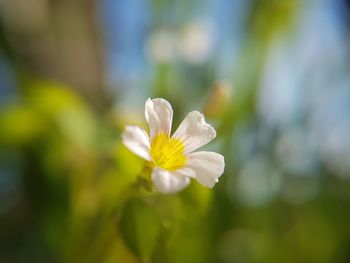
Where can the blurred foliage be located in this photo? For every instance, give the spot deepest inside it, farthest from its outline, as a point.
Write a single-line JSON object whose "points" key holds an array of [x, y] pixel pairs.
{"points": [[71, 192]]}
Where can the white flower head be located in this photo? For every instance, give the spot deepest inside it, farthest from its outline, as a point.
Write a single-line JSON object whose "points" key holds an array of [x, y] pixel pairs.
{"points": [[172, 157]]}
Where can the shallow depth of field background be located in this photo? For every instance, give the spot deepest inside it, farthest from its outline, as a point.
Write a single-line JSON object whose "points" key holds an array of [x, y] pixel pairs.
{"points": [[272, 76]]}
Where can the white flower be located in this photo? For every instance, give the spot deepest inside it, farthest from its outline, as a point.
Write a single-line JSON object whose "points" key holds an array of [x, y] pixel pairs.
{"points": [[172, 158]]}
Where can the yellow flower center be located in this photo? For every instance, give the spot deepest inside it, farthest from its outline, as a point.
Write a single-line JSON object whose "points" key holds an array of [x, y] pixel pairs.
{"points": [[168, 153]]}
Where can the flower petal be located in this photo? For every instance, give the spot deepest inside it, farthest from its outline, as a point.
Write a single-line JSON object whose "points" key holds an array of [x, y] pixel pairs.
{"points": [[169, 181], [159, 115], [137, 141], [194, 131], [207, 167]]}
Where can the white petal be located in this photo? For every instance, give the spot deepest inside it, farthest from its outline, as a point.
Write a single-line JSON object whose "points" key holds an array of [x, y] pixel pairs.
{"points": [[137, 141], [159, 115], [194, 131], [207, 167], [169, 181]]}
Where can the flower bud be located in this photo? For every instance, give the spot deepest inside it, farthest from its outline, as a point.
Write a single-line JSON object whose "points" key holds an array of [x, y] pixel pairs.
{"points": [[218, 100]]}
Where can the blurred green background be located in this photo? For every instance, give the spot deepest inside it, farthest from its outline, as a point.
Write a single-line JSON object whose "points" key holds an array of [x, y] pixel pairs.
{"points": [[271, 76]]}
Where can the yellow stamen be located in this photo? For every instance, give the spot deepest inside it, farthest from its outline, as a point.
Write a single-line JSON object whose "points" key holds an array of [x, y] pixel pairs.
{"points": [[167, 153]]}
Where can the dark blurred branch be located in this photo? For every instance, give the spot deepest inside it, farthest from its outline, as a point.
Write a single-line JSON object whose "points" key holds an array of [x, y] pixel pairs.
{"points": [[58, 40]]}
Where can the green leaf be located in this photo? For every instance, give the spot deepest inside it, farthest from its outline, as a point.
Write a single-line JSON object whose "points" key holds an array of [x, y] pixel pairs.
{"points": [[140, 227]]}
